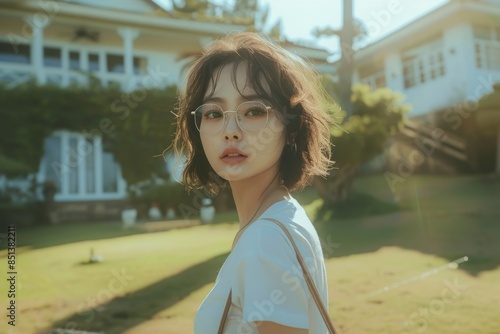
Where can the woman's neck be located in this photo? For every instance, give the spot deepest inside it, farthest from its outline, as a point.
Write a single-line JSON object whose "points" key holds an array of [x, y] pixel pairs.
{"points": [[252, 197]]}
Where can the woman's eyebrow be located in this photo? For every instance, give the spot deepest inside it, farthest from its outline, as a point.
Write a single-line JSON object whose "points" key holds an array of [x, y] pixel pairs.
{"points": [[241, 99], [213, 99], [250, 97]]}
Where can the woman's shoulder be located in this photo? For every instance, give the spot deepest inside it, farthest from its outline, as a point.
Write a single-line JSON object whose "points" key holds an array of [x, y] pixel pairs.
{"points": [[265, 235], [262, 236]]}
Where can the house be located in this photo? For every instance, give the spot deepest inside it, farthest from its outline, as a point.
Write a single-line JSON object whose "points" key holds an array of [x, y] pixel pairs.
{"points": [[443, 62], [130, 43]]}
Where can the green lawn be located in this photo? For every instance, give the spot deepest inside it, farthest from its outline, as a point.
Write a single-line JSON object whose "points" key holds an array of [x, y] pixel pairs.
{"points": [[391, 273]]}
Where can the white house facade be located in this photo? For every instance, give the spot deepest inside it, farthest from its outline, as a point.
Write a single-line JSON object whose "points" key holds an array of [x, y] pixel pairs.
{"points": [[443, 63], [130, 43], [444, 58]]}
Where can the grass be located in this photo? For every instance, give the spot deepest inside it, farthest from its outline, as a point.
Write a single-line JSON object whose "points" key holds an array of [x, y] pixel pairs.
{"points": [[388, 273]]}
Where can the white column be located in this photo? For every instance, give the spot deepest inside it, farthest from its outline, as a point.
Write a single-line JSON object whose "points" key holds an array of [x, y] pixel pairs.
{"points": [[65, 66], [103, 68], [84, 65], [128, 35], [37, 25]]}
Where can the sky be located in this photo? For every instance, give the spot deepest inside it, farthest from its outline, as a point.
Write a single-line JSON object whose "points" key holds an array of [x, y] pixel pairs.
{"points": [[299, 18], [380, 17]]}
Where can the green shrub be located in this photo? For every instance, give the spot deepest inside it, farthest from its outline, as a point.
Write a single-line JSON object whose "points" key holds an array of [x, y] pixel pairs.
{"points": [[168, 195], [356, 205]]}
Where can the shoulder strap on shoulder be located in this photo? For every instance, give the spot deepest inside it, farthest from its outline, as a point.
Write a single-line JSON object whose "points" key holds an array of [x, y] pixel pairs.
{"points": [[309, 281], [308, 278]]}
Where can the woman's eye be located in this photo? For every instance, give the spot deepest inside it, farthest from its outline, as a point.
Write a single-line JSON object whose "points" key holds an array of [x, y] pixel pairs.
{"points": [[255, 112], [213, 114]]}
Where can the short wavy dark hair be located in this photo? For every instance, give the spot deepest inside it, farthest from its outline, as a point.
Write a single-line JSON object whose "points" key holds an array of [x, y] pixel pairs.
{"points": [[292, 89]]}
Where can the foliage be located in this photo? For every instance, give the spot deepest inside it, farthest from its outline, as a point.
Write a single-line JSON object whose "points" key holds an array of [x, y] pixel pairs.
{"points": [[144, 134], [134, 126], [376, 115], [168, 195], [488, 113], [12, 168], [356, 205], [243, 12]]}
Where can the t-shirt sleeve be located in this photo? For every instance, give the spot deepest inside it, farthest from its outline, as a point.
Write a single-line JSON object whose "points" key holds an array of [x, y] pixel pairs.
{"points": [[269, 284]]}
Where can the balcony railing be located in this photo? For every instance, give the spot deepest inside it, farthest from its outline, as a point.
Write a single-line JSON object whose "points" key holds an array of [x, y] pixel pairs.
{"points": [[12, 75]]}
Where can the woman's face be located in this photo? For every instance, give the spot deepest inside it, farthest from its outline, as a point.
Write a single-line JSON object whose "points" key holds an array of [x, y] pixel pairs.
{"points": [[234, 154]]}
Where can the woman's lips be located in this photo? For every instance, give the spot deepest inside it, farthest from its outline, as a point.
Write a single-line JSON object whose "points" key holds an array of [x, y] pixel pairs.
{"points": [[233, 156], [233, 159]]}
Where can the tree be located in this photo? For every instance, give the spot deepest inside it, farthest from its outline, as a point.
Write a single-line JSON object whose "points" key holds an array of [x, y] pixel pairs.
{"points": [[135, 131], [346, 36], [375, 116], [488, 119]]}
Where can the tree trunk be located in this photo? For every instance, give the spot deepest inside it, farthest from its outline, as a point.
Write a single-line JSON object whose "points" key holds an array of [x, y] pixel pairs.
{"points": [[336, 188], [347, 59], [498, 152]]}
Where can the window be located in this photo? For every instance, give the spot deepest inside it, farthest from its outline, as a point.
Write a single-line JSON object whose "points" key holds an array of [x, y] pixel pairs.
{"points": [[12, 53], [421, 70], [440, 64], [109, 170], [52, 57], [115, 63], [487, 47], [79, 167], [409, 72], [53, 172], [73, 165], [493, 56], [140, 65], [93, 62], [479, 59], [422, 67], [90, 169], [74, 60]]}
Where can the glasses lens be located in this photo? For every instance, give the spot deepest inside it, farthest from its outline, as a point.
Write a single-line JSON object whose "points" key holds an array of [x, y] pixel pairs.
{"points": [[252, 116], [209, 118]]}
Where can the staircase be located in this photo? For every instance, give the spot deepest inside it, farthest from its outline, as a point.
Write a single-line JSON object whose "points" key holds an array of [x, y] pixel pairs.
{"points": [[437, 151]]}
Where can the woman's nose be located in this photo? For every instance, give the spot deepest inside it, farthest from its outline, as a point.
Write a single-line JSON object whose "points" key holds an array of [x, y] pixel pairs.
{"points": [[232, 130]]}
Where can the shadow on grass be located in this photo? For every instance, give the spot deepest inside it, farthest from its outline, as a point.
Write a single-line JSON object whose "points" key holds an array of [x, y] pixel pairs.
{"points": [[357, 205], [444, 218], [55, 235], [125, 312]]}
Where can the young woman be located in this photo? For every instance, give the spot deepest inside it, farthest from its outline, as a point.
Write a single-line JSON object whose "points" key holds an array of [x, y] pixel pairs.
{"points": [[252, 116]]}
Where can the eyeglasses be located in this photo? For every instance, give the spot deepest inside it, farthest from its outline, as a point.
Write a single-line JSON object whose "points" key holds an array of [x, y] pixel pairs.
{"points": [[251, 116]]}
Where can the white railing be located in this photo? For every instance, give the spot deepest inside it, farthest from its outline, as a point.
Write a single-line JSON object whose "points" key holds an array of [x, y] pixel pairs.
{"points": [[12, 75]]}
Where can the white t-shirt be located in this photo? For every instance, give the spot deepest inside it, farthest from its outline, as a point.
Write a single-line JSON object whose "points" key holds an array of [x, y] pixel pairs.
{"points": [[266, 279]]}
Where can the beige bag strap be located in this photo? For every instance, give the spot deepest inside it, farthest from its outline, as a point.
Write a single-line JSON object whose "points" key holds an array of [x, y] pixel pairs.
{"points": [[309, 281]]}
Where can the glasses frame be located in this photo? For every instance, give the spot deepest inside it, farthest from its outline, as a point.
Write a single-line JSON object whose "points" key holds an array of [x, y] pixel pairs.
{"points": [[225, 112]]}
